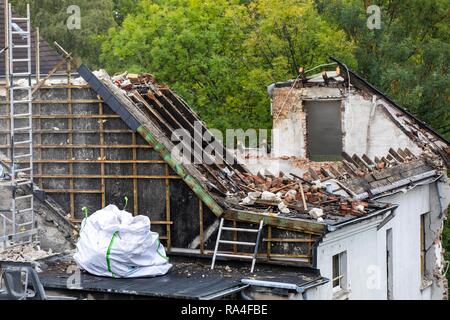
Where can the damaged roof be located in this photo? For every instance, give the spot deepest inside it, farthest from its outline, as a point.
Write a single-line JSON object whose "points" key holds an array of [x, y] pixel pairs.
{"points": [[424, 136], [156, 112]]}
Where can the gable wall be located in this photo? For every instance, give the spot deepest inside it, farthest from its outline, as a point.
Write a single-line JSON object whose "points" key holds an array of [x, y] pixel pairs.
{"points": [[86, 156], [367, 128]]}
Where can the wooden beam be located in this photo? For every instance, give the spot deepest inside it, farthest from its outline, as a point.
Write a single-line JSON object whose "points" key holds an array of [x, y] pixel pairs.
{"points": [[99, 176], [286, 223]]}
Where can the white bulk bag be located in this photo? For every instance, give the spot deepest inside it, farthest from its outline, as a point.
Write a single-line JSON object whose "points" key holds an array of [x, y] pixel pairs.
{"points": [[113, 243]]}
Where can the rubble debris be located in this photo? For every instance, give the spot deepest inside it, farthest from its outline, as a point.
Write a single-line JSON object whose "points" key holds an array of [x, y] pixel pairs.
{"points": [[316, 213], [269, 196], [283, 208], [283, 195], [25, 253]]}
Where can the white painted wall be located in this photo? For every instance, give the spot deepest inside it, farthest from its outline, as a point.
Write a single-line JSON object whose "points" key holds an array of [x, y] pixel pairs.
{"points": [[406, 241], [366, 252], [367, 129], [360, 243]]}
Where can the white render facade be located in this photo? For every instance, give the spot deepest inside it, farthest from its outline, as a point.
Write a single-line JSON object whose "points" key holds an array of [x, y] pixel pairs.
{"points": [[366, 247], [389, 256]]}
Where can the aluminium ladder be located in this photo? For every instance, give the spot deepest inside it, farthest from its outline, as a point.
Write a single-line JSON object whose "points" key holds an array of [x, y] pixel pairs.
{"points": [[251, 244], [20, 226]]}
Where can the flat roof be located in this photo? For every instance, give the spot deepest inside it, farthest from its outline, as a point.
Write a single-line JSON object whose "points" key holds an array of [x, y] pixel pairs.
{"points": [[189, 278]]}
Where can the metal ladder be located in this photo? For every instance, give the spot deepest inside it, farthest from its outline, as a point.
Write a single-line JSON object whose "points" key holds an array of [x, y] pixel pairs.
{"points": [[21, 131], [251, 244]]}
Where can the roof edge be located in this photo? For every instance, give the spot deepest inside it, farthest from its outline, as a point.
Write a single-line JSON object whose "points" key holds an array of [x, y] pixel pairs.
{"points": [[390, 100]]}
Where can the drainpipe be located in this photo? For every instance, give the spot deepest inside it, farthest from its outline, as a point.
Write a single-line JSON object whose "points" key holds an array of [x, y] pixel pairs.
{"points": [[441, 199]]}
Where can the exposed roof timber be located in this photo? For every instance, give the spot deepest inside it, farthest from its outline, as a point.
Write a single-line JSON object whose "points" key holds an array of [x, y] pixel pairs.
{"points": [[301, 225], [191, 116], [139, 122], [364, 178], [360, 82]]}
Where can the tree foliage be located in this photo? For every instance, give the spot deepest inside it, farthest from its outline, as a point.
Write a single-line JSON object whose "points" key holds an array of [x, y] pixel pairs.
{"points": [[220, 55], [407, 57], [122, 8], [97, 16]]}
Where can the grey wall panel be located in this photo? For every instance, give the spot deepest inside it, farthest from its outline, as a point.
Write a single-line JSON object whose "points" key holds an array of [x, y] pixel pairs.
{"points": [[324, 129]]}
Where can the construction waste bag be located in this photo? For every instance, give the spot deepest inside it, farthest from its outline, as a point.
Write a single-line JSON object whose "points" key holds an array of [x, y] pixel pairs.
{"points": [[113, 243]]}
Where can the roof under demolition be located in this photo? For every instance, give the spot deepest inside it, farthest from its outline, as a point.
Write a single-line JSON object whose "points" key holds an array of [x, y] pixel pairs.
{"points": [[226, 187], [419, 132]]}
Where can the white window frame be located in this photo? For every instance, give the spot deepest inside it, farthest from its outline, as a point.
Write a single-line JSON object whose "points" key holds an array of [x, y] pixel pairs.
{"points": [[341, 277]]}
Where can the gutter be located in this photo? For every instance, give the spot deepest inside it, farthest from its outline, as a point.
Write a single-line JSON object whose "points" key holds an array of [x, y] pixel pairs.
{"points": [[332, 228], [401, 183], [181, 171], [288, 286]]}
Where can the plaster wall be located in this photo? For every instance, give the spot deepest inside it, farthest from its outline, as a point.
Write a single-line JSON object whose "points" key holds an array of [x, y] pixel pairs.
{"points": [[365, 247], [366, 126]]}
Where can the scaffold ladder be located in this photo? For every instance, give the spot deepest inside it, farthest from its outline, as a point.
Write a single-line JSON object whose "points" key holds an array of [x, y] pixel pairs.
{"points": [[20, 225], [241, 243]]}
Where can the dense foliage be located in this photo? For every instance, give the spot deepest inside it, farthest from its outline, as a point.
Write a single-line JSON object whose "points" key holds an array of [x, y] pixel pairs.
{"points": [[407, 57], [51, 16], [220, 55]]}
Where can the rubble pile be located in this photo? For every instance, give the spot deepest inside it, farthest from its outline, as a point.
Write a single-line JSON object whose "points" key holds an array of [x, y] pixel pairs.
{"points": [[290, 196], [24, 253], [129, 81]]}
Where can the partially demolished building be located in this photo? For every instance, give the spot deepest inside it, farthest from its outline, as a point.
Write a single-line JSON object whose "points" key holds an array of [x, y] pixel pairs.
{"points": [[334, 226], [336, 128]]}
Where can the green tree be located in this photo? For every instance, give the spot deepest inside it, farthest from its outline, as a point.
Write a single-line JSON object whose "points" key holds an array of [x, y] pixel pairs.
{"points": [[124, 7], [220, 55], [407, 57], [97, 16]]}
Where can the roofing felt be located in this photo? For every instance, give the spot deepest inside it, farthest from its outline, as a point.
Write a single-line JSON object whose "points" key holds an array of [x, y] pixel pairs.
{"points": [[189, 278]]}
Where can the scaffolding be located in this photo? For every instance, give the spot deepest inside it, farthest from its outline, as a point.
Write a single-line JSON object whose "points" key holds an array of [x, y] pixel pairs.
{"points": [[19, 223]]}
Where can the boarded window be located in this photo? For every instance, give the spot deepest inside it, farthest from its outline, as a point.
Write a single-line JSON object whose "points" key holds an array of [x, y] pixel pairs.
{"points": [[324, 130]]}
